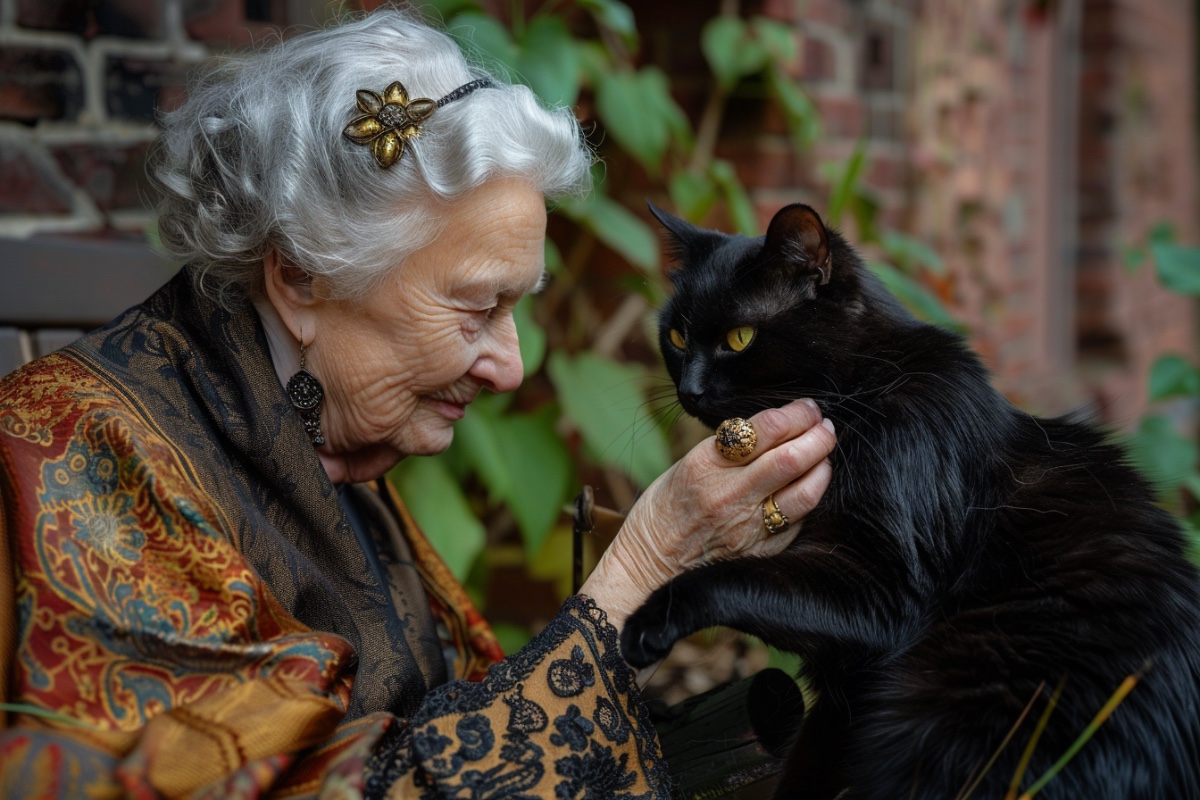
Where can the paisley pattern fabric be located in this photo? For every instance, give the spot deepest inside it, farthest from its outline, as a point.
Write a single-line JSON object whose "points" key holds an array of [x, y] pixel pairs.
{"points": [[185, 609]]}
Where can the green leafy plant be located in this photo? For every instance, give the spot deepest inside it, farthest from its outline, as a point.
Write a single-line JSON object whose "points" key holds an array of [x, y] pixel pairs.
{"points": [[906, 266], [586, 409], [1168, 455]]}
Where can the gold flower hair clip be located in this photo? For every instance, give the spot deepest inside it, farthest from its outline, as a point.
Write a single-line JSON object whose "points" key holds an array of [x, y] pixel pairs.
{"points": [[389, 121]]}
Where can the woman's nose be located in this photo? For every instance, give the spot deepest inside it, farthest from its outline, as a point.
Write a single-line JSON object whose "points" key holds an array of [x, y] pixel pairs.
{"points": [[501, 368]]}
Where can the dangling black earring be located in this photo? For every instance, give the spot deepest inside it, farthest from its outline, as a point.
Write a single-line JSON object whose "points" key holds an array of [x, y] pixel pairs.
{"points": [[307, 394]]}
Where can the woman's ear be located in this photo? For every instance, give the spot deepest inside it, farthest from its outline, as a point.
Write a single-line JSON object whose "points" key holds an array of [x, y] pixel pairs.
{"points": [[290, 292]]}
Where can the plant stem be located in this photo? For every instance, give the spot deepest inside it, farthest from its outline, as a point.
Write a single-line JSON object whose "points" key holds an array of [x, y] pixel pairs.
{"points": [[1008, 737], [1033, 740], [516, 11], [35, 711], [1101, 717], [714, 111]]}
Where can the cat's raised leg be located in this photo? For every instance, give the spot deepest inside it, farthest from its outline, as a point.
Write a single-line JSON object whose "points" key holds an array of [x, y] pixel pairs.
{"points": [[800, 601]]}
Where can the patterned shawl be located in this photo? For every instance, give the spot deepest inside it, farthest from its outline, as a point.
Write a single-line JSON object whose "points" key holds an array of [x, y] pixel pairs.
{"points": [[194, 614]]}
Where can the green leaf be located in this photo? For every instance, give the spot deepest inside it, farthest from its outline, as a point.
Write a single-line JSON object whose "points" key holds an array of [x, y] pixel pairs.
{"points": [[639, 113], [530, 335], [732, 51], [606, 402], [741, 209], [478, 441], [1178, 267], [1132, 255], [788, 662], [803, 118], [1172, 376], [549, 61], [865, 207], [594, 59], [910, 254], [915, 297], [692, 194], [1165, 457], [443, 10], [553, 561], [1191, 532], [778, 38], [720, 40], [511, 637], [845, 185], [615, 16], [540, 473], [487, 39], [1163, 232], [1192, 484], [553, 256], [653, 291], [440, 508], [617, 227]]}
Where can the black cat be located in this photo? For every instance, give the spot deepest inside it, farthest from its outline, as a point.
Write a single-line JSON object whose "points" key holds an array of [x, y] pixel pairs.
{"points": [[965, 559]]}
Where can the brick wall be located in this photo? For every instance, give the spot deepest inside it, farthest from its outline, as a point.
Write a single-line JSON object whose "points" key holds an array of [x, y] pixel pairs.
{"points": [[1137, 146], [1028, 142], [79, 83]]}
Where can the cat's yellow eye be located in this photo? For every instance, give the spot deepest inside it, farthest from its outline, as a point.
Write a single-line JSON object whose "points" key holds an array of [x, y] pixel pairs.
{"points": [[677, 339], [740, 338]]}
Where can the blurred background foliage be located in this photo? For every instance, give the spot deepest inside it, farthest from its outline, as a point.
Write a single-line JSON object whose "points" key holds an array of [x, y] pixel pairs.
{"points": [[596, 406], [1166, 451]]}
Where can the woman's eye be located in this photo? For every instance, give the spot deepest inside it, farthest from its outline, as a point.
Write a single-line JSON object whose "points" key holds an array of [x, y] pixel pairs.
{"points": [[677, 339], [740, 338]]}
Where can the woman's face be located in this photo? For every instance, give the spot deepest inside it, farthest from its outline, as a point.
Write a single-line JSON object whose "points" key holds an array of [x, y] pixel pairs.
{"points": [[401, 367]]}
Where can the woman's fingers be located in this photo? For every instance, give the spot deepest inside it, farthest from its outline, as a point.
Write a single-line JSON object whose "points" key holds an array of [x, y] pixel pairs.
{"points": [[771, 427], [706, 506], [782, 465], [795, 501]]}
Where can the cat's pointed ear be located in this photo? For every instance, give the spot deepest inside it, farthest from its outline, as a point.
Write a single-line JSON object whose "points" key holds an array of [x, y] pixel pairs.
{"points": [[686, 241], [797, 234], [681, 229]]}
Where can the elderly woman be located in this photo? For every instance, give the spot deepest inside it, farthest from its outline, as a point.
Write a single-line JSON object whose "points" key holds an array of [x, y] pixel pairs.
{"points": [[209, 588]]}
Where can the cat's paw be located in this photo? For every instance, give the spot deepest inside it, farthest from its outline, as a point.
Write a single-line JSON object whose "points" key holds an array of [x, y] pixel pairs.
{"points": [[645, 640]]}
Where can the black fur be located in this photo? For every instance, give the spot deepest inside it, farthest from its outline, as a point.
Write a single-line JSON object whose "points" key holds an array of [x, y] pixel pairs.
{"points": [[966, 557]]}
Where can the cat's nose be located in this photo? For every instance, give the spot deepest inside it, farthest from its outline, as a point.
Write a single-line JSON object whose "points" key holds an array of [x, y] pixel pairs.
{"points": [[690, 400]]}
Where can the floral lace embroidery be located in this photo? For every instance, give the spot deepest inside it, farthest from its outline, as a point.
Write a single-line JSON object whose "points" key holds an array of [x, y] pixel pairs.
{"points": [[465, 743]]}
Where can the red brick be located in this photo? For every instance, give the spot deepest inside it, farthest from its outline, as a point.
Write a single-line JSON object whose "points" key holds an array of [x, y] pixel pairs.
{"points": [[225, 25], [885, 173], [820, 60], [114, 176], [136, 86], [782, 10], [840, 116], [28, 184], [135, 19], [39, 83], [878, 58], [828, 12], [72, 16]]}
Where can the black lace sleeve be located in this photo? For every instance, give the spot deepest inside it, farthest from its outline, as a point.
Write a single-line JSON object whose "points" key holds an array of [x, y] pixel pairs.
{"points": [[560, 719]]}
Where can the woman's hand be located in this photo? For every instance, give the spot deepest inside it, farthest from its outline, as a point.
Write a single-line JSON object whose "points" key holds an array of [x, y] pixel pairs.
{"points": [[707, 507]]}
